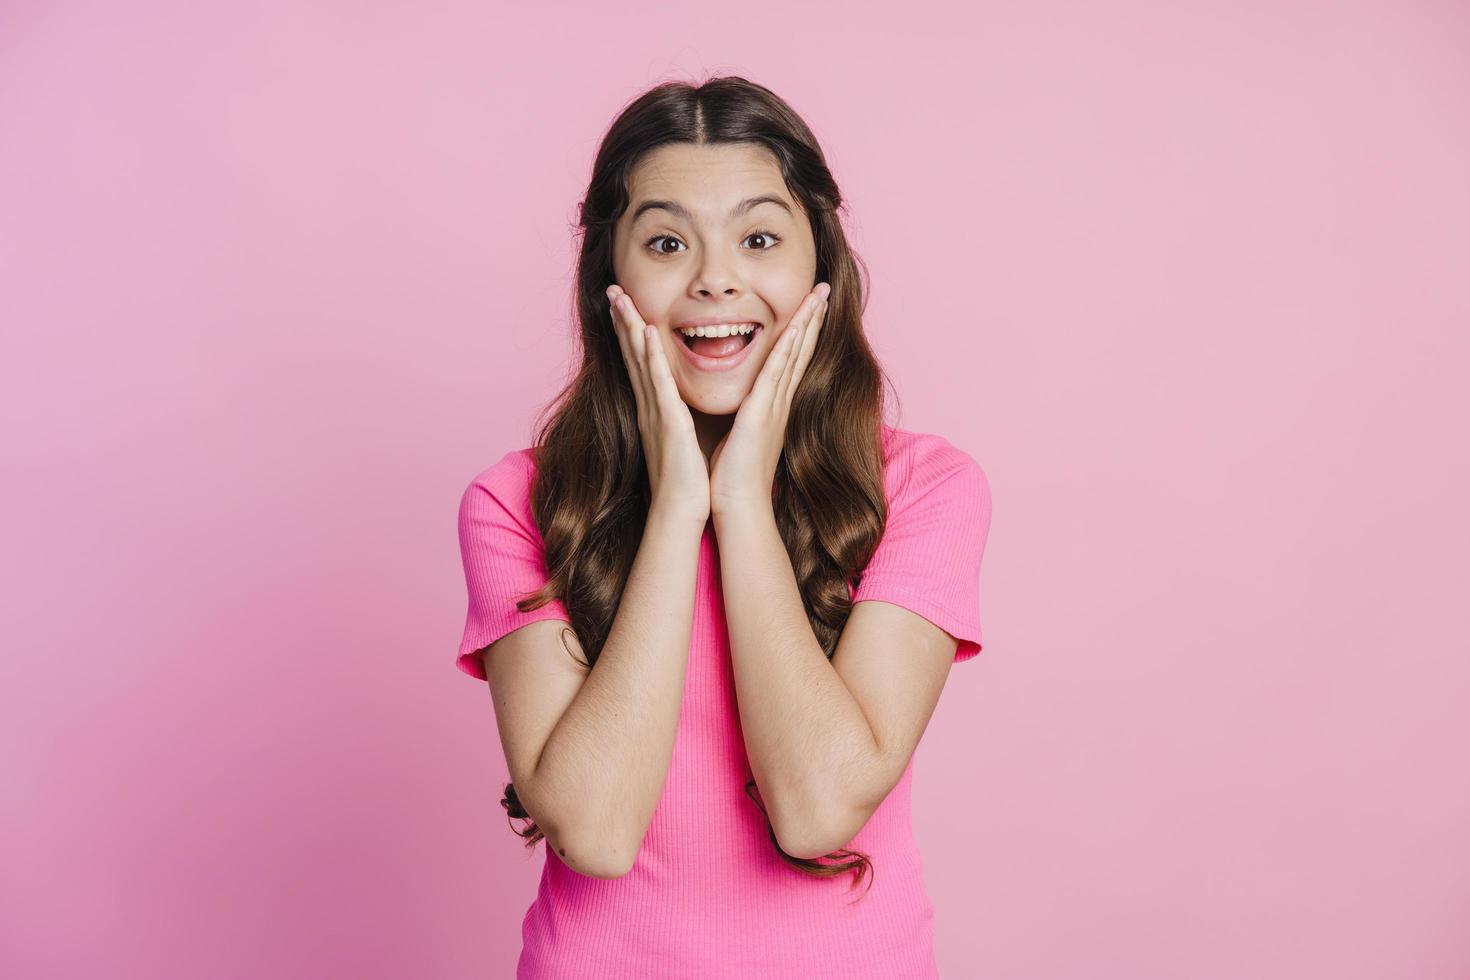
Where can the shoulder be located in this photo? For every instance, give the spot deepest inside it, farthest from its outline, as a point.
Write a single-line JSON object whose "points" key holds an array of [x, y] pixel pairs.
{"points": [[918, 463], [504, 484], [511, 472]]}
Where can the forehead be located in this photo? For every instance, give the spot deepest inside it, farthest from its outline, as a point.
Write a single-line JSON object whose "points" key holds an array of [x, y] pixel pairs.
{"points": [[708, 180]]}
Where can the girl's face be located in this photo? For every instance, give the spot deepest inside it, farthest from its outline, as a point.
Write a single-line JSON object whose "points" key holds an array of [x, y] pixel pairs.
{"points": [[702, 250]]}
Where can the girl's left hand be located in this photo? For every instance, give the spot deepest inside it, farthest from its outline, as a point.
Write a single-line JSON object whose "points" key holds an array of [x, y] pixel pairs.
{"points": [[743, 465]]}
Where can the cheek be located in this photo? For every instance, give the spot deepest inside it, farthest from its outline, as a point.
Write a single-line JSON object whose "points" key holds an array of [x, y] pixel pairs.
{"points": [[790, 311], [792, 296]]}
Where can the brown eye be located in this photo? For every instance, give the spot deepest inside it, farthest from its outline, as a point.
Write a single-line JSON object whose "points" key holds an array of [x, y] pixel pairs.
{"points": [[771, 236], [649, 243]]}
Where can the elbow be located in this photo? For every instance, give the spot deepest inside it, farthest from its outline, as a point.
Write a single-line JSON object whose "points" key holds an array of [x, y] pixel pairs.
{"points": [[606, 869], [596, 850], [818, 832], [597, 855], [808, 846], [810, 839], [802, 828]]}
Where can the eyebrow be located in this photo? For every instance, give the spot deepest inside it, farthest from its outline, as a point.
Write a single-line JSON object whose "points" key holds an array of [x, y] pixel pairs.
{"points": [[674, 207]]}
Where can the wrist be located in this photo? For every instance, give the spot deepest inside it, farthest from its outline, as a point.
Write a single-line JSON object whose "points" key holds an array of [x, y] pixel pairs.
{"points": [[678, 513], [741, 511]]}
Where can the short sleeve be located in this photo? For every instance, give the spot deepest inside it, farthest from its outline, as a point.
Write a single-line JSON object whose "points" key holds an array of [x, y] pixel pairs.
{"points": [[503, 557], [928, 560]]}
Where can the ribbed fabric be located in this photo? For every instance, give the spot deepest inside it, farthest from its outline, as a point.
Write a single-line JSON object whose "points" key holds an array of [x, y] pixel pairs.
{"points": [[708, 897]]}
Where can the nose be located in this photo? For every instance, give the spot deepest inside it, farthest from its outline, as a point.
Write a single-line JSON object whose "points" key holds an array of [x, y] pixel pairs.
{"points": [[716, 275]]}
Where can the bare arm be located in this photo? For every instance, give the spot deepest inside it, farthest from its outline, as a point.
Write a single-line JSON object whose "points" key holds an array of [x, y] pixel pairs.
{"points": [[593, 782], [827, 740], [807, 738], [597, 776]]}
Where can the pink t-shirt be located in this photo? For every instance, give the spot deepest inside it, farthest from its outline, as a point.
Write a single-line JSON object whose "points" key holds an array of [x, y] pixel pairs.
{"points": [[708, 897]]}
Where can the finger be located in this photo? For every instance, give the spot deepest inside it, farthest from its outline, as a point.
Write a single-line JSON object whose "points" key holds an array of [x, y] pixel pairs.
{"points": [[623, 345], [799, 325], [803, 355], [666, 389], [631, 360], [639, 328], [768, 379], [624, 305]]}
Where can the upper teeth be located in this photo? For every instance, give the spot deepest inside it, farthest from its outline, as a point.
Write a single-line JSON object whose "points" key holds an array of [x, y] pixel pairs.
{"points": [[718, 330]]}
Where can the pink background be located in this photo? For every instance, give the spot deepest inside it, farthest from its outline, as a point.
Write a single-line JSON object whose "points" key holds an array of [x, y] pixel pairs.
{"points": [[1191, 281]]}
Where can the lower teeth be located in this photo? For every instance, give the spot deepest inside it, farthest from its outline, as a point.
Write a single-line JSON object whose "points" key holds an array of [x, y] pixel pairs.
{"points": [[745, 341]]}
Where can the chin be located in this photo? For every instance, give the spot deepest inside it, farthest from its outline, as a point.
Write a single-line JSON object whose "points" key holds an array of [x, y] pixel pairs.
{"points": [[715, 403]]}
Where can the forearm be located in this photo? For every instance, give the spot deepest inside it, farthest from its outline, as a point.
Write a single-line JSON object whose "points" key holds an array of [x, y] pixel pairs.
{"points": [[610, 751], [806, 736]]}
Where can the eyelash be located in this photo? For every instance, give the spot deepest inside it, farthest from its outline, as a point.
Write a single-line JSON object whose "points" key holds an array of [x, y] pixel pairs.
{"points": [[760, 231]]}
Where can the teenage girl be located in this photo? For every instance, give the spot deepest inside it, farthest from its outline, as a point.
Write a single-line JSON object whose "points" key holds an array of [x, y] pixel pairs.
{"points": [[717, 600]]}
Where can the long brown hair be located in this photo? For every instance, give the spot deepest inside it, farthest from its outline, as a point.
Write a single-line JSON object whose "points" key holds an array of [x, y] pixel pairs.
{"points": [[590, 494]]}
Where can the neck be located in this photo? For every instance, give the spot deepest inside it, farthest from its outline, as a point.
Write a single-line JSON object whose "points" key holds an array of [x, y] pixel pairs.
{"points": [[710, 429]]}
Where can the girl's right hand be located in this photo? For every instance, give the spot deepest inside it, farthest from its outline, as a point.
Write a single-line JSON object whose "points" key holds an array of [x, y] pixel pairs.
{"points": [[678, 475]]}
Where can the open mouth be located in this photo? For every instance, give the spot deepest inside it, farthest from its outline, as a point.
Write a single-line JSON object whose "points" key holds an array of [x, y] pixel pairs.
{"points": [[717, 347]]}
